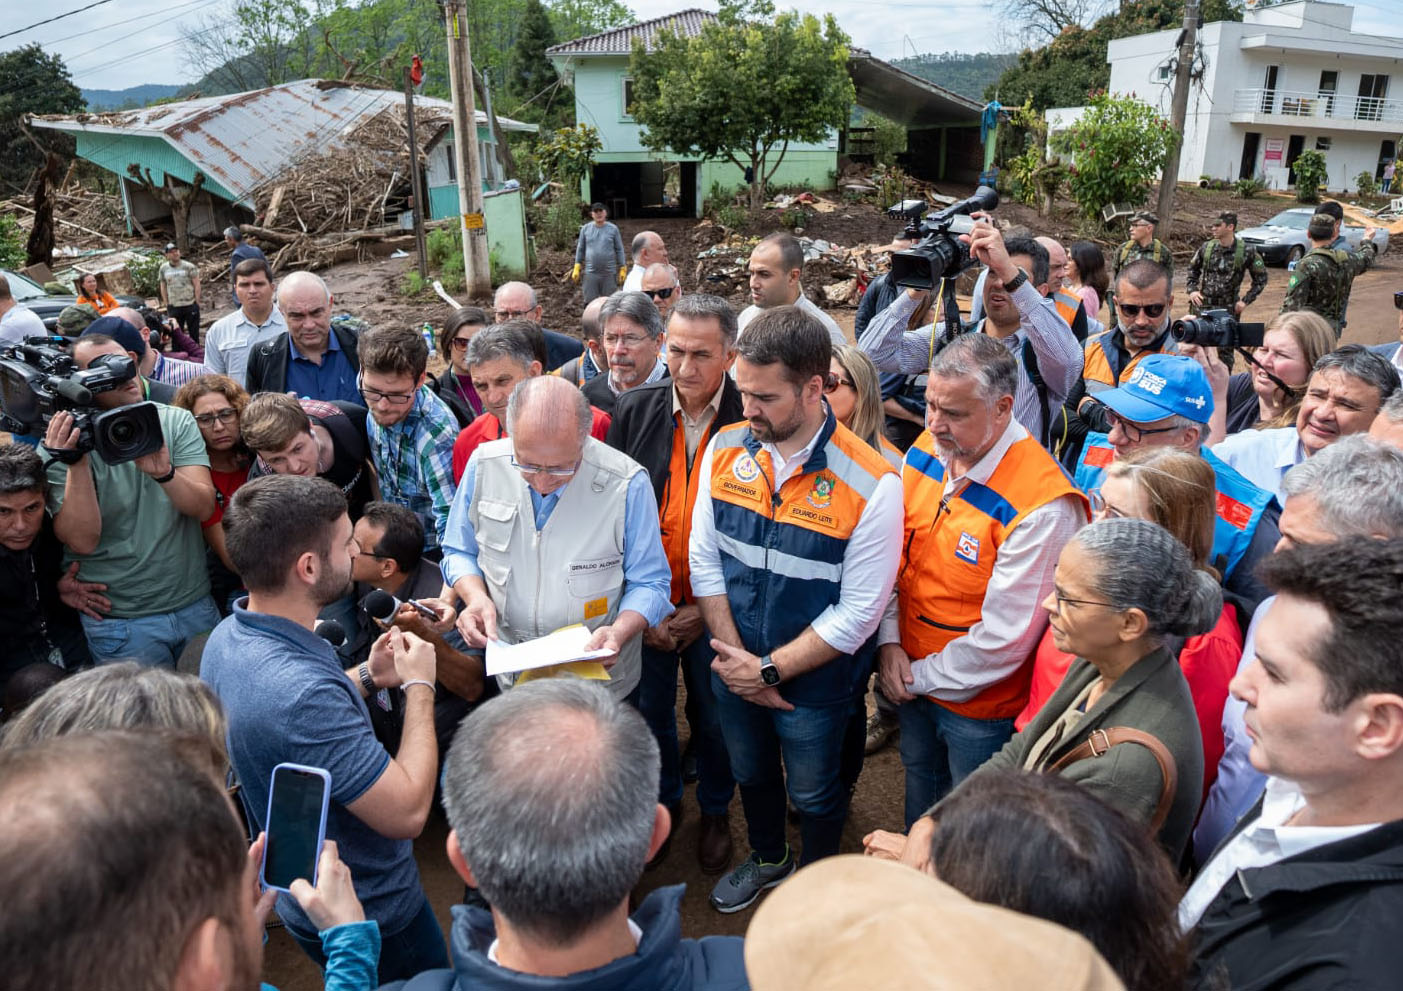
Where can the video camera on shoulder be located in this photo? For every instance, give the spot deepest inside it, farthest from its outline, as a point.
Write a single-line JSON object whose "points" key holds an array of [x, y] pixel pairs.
{"points": [[940, 254], [1218, 329], [39, 380]]}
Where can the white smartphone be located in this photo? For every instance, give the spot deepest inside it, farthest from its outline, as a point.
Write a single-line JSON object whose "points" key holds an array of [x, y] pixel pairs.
{"points": [[298, 798]]}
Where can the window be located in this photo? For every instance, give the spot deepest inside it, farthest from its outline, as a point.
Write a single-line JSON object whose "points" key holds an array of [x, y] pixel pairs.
{"points": [[1322, 144], [1329, 82], [628, 96], [452, 162]]}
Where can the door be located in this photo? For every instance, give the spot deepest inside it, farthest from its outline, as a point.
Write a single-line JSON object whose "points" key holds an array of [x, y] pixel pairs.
{"points": [[1373, 89], [1387, 150], [1269, 90], [1329, 82], [1293, 151], [1250, 143]]}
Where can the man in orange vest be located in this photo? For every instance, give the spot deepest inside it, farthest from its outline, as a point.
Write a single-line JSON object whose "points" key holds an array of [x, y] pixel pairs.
{"points": [[988, 511], [795, 541], [665, 426]]}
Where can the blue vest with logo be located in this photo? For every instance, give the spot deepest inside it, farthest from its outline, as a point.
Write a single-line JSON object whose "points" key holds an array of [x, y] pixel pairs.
{"points": [[1238, 506]]}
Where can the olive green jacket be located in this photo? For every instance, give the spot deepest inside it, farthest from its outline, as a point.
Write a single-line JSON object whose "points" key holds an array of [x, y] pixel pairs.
{"points": [[1152, 697]]}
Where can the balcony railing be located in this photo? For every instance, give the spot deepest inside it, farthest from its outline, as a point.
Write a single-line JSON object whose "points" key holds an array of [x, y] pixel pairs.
{"points": [[1306, 103]]}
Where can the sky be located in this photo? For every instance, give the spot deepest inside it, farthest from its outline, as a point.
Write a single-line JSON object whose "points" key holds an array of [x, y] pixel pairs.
{"points": [[147, 33]]}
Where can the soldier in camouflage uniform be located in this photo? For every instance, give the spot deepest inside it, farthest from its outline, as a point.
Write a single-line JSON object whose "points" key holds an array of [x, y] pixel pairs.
{"points": [[1142, 244], [1322, 279], [1218, 267]]}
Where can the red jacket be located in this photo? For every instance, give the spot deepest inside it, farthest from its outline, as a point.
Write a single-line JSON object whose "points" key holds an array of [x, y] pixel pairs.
{"points": [[486, 428]]}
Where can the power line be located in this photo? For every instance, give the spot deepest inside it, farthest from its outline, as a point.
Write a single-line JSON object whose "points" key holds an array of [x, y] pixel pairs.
{"points": [[97, 3]]}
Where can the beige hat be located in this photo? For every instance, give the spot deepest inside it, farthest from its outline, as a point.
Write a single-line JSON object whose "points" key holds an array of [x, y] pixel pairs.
{"points": [[859, 922]]}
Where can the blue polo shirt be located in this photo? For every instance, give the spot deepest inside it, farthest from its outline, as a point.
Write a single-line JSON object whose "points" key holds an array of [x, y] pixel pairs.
{"points": [[333, 379], [289, 701]]}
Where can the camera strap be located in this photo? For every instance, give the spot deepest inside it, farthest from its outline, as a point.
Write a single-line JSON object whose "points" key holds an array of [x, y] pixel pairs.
{"points": [[1290, 392], [60, 457]]}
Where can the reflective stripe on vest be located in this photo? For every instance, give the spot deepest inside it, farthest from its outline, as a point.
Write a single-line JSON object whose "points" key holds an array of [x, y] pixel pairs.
{"points": [[675, 514], [1238, 504], [948, 554], [782, 553]]}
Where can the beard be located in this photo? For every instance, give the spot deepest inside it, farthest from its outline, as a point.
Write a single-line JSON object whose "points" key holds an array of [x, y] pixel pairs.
{"points": [[332, 586], [776, 433]]}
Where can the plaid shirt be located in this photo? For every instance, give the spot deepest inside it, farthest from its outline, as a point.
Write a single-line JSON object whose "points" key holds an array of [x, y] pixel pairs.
{"points": [[414, 459]]}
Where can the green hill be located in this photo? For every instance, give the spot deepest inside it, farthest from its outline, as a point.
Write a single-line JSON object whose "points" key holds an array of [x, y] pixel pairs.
{"points": [[965, 74]]}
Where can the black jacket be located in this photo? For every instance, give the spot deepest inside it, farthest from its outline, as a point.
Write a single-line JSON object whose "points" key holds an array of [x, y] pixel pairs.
{"points": [[602, 397], [643, 426], [560, 348], [460, 410], [1327, 918], [267, 361]]}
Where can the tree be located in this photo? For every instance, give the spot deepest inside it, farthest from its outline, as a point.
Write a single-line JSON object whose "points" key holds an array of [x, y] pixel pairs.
{"points": [[1117, 150], [1311, 173], [743, 89], [577, 18], [31, 82], [178, 196], [530, 71]]}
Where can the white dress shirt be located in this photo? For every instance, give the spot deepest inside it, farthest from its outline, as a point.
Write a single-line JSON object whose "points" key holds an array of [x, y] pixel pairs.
{"points": [[20, 322], [1263, 457], [232, 336], [1012, 619], [1264, 842], [633, 282], [835, 333], [869, 561]]}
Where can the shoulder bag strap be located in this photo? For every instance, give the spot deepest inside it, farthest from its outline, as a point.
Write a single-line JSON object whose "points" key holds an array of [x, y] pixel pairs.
{"points": [[1102, 740]]}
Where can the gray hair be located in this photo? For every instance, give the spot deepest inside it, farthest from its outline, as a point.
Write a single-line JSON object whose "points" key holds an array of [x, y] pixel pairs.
{"points": [[1361, 363], [1392, 409], [21, 470], [637, 307], [500, 340], [1357, 486], [1140, 565], [513, 287], [552, 791], [537, 389], [980, 357], [703, 306]]}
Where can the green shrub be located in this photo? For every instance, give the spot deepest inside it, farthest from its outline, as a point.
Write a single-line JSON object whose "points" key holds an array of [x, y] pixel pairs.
{"points": [[892, 185], [413, 284], [1367, 184], [558, 225], [732, 217], [1247, 188], [145, 271], [1310, 175], [1117, 149], [888, 140], [12, 242], [793, 217], [444, 243]]}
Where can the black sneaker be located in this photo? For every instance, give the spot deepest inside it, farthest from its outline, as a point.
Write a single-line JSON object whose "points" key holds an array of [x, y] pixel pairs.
{"points": [[739, 889]]}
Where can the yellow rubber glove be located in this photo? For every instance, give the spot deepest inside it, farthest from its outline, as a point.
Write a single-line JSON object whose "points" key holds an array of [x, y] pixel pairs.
{"points": [[575, 273], [623, 274]]}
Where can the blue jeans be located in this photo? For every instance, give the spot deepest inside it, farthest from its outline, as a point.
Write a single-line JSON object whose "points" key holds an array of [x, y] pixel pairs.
{"points": [[658, 703], [155, 641], [417, 947], [809, 740], [940, 748]]}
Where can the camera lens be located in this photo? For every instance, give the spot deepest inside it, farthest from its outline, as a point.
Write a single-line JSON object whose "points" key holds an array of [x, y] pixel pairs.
{"points": [[1200, 331]]}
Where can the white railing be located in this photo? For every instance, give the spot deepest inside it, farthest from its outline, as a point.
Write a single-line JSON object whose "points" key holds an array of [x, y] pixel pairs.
{"points": [[1308, 103]]}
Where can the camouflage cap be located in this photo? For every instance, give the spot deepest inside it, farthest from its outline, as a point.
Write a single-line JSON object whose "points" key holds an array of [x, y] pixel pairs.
{"points": [[1228, 217], [1144, 215], [1321, 226], [73, 320]]}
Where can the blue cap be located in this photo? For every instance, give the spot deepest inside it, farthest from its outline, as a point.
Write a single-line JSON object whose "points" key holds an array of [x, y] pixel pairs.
{"points": [[1160, 386], [120, 331]]}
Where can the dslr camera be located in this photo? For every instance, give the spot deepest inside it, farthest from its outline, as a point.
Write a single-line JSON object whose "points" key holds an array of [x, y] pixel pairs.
{"points": [[1218, 329], [39, 380], [940, 254]]}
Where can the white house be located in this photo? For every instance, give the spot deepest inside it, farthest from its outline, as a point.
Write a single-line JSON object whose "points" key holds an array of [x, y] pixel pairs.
{"points": [[1287, 78]]}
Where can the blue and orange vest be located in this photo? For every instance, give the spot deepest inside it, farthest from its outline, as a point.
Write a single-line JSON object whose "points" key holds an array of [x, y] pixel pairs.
{"points": [[1102, 368], [949, 549], [782, 552], [1238, 506]]}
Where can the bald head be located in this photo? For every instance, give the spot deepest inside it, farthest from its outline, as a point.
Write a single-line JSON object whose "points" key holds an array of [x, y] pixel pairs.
{"points": [[130, 316], [589, 319], [516, 301], [1056, 260], [303, 284], [648, 248], [547, 404]]}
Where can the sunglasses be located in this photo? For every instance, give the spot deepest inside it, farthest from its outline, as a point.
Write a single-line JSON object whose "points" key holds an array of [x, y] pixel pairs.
{"points": [[833, 381], [1398, 301], [660, 293], [1152, 310]]}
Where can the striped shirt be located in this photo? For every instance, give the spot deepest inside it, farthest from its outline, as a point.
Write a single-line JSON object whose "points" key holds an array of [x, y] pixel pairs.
{"points": [[176, 372], [414, 460]]}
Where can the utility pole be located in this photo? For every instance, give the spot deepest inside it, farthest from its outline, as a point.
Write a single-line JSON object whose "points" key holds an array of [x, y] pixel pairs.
{"points": [[415, 178], [1180, 108], [475, 252]]}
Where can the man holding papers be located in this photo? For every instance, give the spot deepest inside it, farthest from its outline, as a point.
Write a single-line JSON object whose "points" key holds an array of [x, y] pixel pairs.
{"points": [[549, 529]]}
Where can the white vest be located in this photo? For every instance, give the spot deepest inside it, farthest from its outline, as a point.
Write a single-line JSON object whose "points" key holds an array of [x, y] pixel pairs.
{"points": [[572, 570]]}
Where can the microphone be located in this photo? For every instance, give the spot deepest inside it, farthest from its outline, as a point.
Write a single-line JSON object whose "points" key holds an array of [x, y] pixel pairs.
{"points": [[381, 605], [330, 631]]}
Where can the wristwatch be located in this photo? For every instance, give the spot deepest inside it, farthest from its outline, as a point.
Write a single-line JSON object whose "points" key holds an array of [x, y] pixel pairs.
{"points": [[769, 674], [1016, 281], [164, 478]]}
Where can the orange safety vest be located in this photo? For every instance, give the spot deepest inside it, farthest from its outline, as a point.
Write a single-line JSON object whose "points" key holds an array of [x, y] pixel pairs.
{"points": [[1067, 303], [948, 554], [1098, 366], [675, 512]]}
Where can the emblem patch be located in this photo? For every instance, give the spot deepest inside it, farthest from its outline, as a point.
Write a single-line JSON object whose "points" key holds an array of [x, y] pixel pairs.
{"points": [[968, 548], [822, 492], [745, 469]]}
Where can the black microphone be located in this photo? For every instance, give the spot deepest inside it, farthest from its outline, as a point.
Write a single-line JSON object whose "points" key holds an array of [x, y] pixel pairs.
{"points": [[381, 605], [330, 631]]}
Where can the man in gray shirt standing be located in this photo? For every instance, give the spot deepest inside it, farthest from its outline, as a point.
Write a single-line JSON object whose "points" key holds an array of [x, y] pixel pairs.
{"points": [[600, 252]]}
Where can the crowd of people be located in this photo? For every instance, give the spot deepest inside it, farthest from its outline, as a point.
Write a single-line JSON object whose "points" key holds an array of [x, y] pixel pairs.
{"points": [[1132, 619]]}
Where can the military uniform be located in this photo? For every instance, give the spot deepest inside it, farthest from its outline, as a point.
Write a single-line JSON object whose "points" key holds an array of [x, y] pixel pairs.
{"points": [[1217, 272], [1322, 280], [1155, 252]]}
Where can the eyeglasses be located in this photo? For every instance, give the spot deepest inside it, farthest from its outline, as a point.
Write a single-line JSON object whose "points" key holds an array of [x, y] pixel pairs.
{"points": [[460, 343], [1063, 602], [223, 416], [834, 381], [660, 293], [1133, 432], [1100, 506], [1152, 310], [393, 398], [541, 470], [627, 341]]}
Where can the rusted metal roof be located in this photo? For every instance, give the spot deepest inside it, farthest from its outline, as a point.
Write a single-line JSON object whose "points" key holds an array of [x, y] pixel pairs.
{"points": [[244, 139], [688, 23]]}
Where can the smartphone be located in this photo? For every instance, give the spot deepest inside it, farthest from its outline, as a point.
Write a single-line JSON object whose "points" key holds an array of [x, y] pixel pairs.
{"points": [[296, 825]]}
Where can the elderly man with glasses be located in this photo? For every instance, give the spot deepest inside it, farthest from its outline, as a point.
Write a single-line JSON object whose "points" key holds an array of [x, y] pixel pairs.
{"points": [[517, 301], [411, 430], [633, 340], [551, 528], [661, 285]]}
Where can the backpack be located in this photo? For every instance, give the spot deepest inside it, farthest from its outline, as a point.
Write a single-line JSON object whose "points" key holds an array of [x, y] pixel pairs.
{"points": [[1238, 255]]}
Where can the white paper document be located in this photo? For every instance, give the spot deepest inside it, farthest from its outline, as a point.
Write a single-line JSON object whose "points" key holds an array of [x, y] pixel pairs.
{"points": [[559, 647]]}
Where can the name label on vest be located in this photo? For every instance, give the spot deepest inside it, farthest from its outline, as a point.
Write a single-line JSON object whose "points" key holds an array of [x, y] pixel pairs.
{"points": [[747, 491], [579, 569], [809, 516]]}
